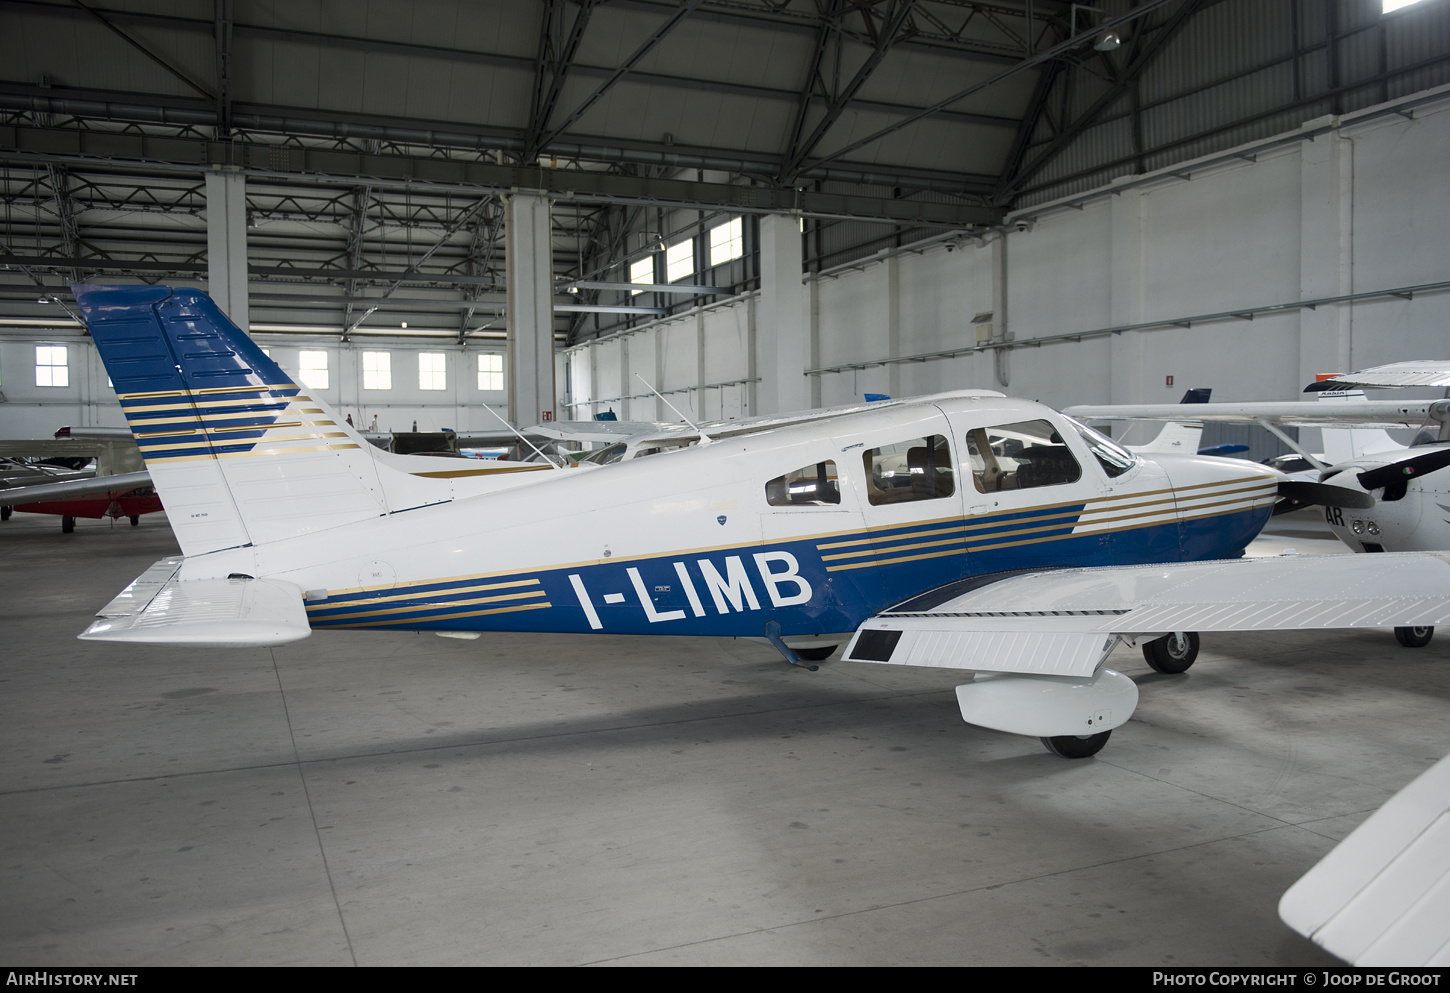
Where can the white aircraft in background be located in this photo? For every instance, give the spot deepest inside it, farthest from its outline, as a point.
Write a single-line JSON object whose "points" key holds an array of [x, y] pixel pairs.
{"points": [[1391, 497], [963, 530]]}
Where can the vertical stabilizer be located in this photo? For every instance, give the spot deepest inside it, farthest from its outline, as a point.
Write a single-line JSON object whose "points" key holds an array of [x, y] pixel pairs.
{"points": [[238, 452]]}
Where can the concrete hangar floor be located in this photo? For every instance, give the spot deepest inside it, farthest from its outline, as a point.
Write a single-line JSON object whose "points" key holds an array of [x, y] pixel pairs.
{"points": [[393, 798]]}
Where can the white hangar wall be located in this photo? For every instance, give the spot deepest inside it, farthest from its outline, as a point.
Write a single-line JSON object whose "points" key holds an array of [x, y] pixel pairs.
{"points": [[1359, 208], [34, 411]]}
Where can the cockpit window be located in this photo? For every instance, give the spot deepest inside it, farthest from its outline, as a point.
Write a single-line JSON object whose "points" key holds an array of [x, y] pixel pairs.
{"points": [[920, 469], [1113, 457], [812, 486], [1019, 457], [607, 456]]}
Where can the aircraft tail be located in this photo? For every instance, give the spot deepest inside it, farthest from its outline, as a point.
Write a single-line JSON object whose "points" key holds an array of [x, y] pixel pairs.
{"points": [[1345, 444], [239, 453], [1176, 436]]}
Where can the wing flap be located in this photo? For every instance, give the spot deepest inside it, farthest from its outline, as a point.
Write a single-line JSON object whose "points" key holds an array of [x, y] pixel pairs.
{"points": [[158, 609], [1382, 896], [1057, 622]]}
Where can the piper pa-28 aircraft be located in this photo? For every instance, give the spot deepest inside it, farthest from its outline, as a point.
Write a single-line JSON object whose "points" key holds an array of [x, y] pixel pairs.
{"points": [[963, 530]]}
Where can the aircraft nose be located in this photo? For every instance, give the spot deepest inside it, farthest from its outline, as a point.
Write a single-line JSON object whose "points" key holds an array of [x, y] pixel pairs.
{"points": [[1221, 503]]}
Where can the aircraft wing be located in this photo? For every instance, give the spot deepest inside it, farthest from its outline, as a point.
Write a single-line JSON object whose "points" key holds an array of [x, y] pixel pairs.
{"points": [[599, 431], [1064, 622], [157, 608], [1287, 413], [16, 496], [1382, 896], [1421, 372]]}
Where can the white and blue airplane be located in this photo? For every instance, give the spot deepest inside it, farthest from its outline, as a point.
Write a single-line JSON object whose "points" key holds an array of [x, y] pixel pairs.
{"points": [[963, 530]]}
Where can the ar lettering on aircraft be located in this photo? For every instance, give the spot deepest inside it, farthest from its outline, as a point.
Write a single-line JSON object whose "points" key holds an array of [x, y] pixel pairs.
{"points": [[779, 574]]}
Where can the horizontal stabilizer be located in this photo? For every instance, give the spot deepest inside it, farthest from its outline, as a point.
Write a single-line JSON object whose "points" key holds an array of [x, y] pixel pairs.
{"points": [[1382, 896], [159, 609], [1064, 622]]}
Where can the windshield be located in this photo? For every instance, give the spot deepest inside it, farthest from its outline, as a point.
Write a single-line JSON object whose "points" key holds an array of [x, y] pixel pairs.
{"points": [[1113, 457]]}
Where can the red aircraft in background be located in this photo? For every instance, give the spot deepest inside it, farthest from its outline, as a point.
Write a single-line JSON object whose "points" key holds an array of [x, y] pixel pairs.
{"points": [[115, 487]]}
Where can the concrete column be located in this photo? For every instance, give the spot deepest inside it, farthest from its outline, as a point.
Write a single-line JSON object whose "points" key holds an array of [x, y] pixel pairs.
{"points": [[530, 264], [893, 325], [1001, 358], [783, 320], [226, 244], [1326, 241], [1126, 297]]}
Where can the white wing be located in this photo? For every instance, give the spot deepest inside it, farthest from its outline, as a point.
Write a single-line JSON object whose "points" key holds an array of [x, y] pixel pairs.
{"points": [[1064, 622], [1285, 413], [1421, 372], [1382, 896]]}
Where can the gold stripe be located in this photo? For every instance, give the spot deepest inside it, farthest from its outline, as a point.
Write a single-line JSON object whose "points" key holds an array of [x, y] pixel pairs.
{"points": [[280, 403], [417, 593], [148, 396], [210, 390], [1038, 541], [953, 540], [449, 617], [454, 474], [443, 605], [905, 558]]}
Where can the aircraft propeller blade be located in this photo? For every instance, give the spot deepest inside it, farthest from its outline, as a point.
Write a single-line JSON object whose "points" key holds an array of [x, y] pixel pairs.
{"points": [[1401, 472], [1296, 495]]}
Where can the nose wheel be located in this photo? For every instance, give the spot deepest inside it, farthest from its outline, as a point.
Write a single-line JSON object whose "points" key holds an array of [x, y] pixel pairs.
{"points": [[1073, 746]]}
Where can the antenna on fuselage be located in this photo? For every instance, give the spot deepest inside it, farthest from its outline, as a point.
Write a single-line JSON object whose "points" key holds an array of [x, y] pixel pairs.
{"points": [[704, 438], [537, 450]]}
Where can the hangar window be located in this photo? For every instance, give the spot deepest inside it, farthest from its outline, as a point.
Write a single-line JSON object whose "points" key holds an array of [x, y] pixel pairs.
{"points": [[377, 370], [812, 486], [727, 241], [312, 369], [1020, 456], [680, 261], [920, 469], [51, 367], [432, 371], [642, 273], [490, 372]]}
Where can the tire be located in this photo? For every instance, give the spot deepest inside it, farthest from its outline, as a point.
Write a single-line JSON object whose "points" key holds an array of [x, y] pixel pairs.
{"points": [[67, 524], [135, 520], [1072, 746], [1171, 655], [815, 654], [1414, 637], [5, 513]]}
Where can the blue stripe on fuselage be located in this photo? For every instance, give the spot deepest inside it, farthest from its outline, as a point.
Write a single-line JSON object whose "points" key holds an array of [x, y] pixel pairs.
{"points": [[733, 592]]}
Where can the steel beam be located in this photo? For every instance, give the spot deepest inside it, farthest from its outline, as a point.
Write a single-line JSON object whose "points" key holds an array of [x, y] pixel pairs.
{"points": [[192, 155]]}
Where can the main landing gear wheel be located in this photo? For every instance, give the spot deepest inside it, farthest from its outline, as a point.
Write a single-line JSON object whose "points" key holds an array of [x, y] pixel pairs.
{"points": [[5, 513], [1414, 637], [135, 520], [815, 654], [67, 524], [1077, 746], [1172, 653]]}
